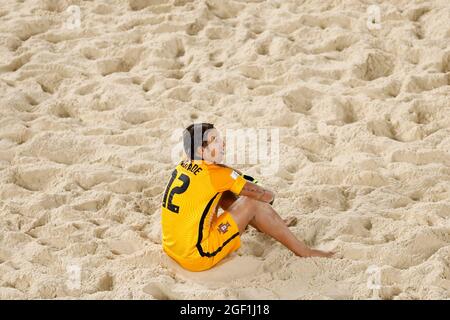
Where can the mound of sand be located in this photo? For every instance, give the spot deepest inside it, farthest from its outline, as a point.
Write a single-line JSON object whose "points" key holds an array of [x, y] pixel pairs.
{"points": [[87, 117]]}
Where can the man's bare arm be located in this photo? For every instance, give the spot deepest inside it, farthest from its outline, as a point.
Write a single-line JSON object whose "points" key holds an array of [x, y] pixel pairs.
{"points": [[257, 192]]}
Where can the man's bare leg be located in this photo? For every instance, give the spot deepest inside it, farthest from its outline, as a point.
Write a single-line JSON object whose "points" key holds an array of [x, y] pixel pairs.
{"points": [[262, 216], [228, 198]]}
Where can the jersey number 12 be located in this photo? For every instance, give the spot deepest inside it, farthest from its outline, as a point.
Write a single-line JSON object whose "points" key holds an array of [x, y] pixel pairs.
{"points": [[167, 201]]}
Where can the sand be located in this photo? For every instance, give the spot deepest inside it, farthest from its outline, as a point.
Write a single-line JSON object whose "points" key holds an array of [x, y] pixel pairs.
{"points": [[87, 122]]}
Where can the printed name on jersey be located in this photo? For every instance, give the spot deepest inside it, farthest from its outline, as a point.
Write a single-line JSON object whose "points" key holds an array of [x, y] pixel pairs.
{"points": [[194, 168]]}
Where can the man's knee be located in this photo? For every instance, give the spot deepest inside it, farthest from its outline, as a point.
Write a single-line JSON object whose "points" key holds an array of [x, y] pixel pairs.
{"points": [[254, 204], [245, 208], [248, 204]]}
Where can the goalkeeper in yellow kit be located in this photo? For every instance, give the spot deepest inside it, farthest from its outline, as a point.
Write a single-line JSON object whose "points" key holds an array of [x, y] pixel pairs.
{"points": [[193, 234]]}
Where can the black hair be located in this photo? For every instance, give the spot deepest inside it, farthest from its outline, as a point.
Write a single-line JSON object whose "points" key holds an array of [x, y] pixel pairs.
{"points": [[194, 137]]}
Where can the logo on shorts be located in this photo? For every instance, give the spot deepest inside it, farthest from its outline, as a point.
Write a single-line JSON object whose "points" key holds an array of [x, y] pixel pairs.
{"points": [[223, 227]]}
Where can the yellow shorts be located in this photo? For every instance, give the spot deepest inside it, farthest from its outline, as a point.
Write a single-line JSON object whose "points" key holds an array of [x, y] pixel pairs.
{"points": [[223, 239]]}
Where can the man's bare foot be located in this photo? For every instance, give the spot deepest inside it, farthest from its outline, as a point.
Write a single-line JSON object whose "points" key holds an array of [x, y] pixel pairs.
{"points": [[316, 253], [320, 253]]}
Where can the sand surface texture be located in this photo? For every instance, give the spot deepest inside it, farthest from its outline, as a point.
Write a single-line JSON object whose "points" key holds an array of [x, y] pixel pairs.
{"points": [[87, 117]]}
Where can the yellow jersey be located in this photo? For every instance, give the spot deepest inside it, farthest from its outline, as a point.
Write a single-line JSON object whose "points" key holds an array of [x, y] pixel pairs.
{"points": [[189, 209]]}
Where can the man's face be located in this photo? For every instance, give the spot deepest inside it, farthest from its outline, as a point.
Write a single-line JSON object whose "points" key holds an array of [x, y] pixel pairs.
{"points": [[214, 152]]}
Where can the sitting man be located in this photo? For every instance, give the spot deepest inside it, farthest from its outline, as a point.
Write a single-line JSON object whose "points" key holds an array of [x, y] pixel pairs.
{"points": [[193, 234]]}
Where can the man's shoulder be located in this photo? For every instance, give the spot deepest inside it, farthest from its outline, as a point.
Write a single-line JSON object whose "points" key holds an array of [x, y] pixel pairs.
{"points": [[218, 167]]}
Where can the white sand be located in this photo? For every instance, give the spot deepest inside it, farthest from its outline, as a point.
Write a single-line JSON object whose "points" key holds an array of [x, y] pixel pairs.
{"points": [[86, 117]]}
